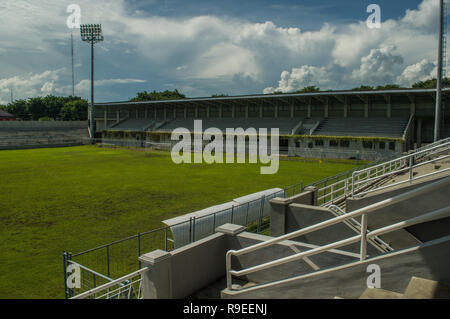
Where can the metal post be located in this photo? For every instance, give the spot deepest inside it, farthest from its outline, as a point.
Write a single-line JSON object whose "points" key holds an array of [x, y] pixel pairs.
{"points": [[92, 89], [232, 214], [190, 229], [107, 260], [193, 230], [363, 236], [165, 239], [261, 214], [139, 248], [410, 169], [246, 216], [437, 117], [69, 257], [65, 274]]}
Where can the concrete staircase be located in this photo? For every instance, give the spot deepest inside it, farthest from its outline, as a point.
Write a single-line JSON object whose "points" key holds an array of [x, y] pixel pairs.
{"points": [[418, 288]]}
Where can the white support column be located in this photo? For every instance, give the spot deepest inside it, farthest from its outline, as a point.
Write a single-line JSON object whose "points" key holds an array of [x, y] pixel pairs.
{"points": [[389, 108], [309, 107], [346, 107]]}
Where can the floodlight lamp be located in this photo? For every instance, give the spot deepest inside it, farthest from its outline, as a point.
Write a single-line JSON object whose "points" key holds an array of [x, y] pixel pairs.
{"points": [[91, 32]]}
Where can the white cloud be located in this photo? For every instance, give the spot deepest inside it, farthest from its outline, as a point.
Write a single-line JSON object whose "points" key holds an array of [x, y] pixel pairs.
{"points": [[31, 84], [420, 71], [426, 17], [84, 86], [207, 54], [299, 78], [380, 66]]}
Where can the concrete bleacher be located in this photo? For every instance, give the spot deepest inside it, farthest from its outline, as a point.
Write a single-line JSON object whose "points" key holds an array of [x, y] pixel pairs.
{"points": [[132, 125], [285, 125], [377, 127], [18, 134]]}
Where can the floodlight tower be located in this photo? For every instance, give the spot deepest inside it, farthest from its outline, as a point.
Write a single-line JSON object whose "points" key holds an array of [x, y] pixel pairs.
{"points": [[91, 33], [441, 48]]}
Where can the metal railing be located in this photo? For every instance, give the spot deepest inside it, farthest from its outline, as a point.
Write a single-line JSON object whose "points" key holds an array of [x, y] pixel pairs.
{"points": [[400, 165], [362, 237], [120, 257], [126, 287], [364, 178]]}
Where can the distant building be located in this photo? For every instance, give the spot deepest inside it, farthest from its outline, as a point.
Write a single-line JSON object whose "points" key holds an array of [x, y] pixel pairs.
{"points": [[5, 116]]}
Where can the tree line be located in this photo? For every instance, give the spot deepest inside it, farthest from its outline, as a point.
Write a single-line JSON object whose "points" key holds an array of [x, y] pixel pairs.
{"points": [[50, 107], [428, 84]]}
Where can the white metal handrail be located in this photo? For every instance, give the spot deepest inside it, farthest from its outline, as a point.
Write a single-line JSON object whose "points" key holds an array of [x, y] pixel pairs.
{"points": [[408, 127], [113, 283], [361, 237], [342, 188], [376, 238], [387, 167]]}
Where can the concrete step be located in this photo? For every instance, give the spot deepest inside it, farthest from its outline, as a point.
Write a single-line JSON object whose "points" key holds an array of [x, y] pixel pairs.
{"points": [[244, 286], [376, 293], [420, 288]]}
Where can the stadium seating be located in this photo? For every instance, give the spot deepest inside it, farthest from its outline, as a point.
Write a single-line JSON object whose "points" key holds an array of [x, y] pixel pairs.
{"points": [[132, 125], [285, 125], [377, 127], [27, 133]]}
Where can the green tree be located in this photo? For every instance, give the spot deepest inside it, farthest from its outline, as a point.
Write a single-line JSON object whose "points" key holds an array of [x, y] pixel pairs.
{"points": [[36, 108], [363, 88], [75, 110], [430, 84], [19, 109], [155, 96], [308, 89], [388, 87]]}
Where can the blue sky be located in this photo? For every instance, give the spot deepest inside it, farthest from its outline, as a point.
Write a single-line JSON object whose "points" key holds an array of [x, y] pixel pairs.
{"points": [[206, 47]]}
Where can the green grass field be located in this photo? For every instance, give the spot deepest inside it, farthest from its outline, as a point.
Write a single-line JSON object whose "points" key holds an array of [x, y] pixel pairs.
{"points": [[77, 198]]}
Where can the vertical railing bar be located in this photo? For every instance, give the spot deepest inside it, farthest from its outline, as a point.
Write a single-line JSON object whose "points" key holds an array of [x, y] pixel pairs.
{"points": [[165, 238], [193, 229], [363, 237], [107, 260], [65, 273], [139, 248]]}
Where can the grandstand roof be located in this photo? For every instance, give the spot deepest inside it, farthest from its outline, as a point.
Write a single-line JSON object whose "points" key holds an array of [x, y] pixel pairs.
{"points": [[5, 114], [318, 95]]}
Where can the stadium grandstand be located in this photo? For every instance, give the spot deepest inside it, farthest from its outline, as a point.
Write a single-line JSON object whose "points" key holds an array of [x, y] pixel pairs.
{"points": [[367, 125], [34, 134]]}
